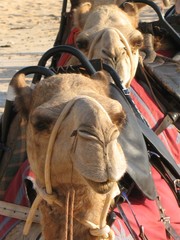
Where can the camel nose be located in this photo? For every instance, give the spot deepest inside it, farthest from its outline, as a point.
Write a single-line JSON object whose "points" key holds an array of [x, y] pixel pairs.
{"points": [[113, 48], [113, 55]]}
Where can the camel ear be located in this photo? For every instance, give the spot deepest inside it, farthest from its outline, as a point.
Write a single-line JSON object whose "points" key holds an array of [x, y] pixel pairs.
{"points": [[23, 94], [80, 14], [132, 10]]}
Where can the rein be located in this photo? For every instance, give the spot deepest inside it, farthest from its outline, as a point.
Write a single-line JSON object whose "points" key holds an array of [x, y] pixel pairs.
{"points": [[47, 194]]}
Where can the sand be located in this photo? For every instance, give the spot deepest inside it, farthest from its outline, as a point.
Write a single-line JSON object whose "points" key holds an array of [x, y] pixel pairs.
{"points": [[27, 29]]}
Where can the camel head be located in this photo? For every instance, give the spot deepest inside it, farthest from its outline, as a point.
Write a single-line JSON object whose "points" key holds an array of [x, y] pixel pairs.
{"points": [[72, 121], [85, 150], [109, 33]]}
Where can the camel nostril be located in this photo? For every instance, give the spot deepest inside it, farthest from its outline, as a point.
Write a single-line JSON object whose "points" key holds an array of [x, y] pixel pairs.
{"points": [[123, 51], [114, 59], [108, 54], [114, 56], [110, 57]]}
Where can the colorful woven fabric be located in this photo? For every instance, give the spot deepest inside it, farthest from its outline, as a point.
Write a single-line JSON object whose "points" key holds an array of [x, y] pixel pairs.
{"points": [[16, 193], [13, 159]]}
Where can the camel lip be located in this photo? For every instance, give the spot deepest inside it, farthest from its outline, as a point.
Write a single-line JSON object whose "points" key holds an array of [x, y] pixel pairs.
{"points": [[101, 187]]}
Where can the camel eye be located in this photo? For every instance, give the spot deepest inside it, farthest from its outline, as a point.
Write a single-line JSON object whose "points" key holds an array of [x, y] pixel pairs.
{"points": [[41, 126], [137, 42], [82, 44], [41, 122]]}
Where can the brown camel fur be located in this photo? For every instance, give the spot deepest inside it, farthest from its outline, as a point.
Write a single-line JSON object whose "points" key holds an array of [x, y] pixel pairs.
{"points": [[86, 156], [109, 33]]}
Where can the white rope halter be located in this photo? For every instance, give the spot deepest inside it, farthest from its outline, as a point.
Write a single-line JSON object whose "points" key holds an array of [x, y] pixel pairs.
{"points": [[51, 198]]}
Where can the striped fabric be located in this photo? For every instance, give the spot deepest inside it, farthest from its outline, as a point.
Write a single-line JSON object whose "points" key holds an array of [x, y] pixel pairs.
{"points": [[16, 193], [13, 159]]}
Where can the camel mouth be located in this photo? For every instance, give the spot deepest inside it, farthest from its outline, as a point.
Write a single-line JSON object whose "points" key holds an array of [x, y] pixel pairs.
{"points": [[101, 187]]}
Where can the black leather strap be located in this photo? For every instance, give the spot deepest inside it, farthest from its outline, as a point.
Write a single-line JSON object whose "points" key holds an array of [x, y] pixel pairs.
{"points": [[156, 145], [132, 141], [170, 231], [170, 118], [134, 148], [122, 215], [174, 183], [142, 234]]}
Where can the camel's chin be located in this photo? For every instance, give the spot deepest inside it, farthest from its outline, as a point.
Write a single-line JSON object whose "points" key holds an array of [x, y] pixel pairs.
{"points": [[101, 187]]}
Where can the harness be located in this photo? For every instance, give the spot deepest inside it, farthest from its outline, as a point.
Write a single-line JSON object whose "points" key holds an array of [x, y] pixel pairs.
{"points": [[47, 194]]}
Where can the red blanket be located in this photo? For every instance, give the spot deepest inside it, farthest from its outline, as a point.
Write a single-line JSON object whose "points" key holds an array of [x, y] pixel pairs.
{"points": [[16, 193], [146, 210]]}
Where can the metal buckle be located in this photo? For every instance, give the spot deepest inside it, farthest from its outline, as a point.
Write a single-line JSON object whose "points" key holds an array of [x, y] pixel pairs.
{"points": [[165, 219], [126, 91], [177, 185]]}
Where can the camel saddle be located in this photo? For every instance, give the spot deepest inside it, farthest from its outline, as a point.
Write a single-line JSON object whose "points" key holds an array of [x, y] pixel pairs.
{"points": [[137, 140], [163, 78]]}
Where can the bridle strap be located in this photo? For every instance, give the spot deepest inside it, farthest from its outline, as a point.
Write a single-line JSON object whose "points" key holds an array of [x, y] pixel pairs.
{"points": [[170, 231]]}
